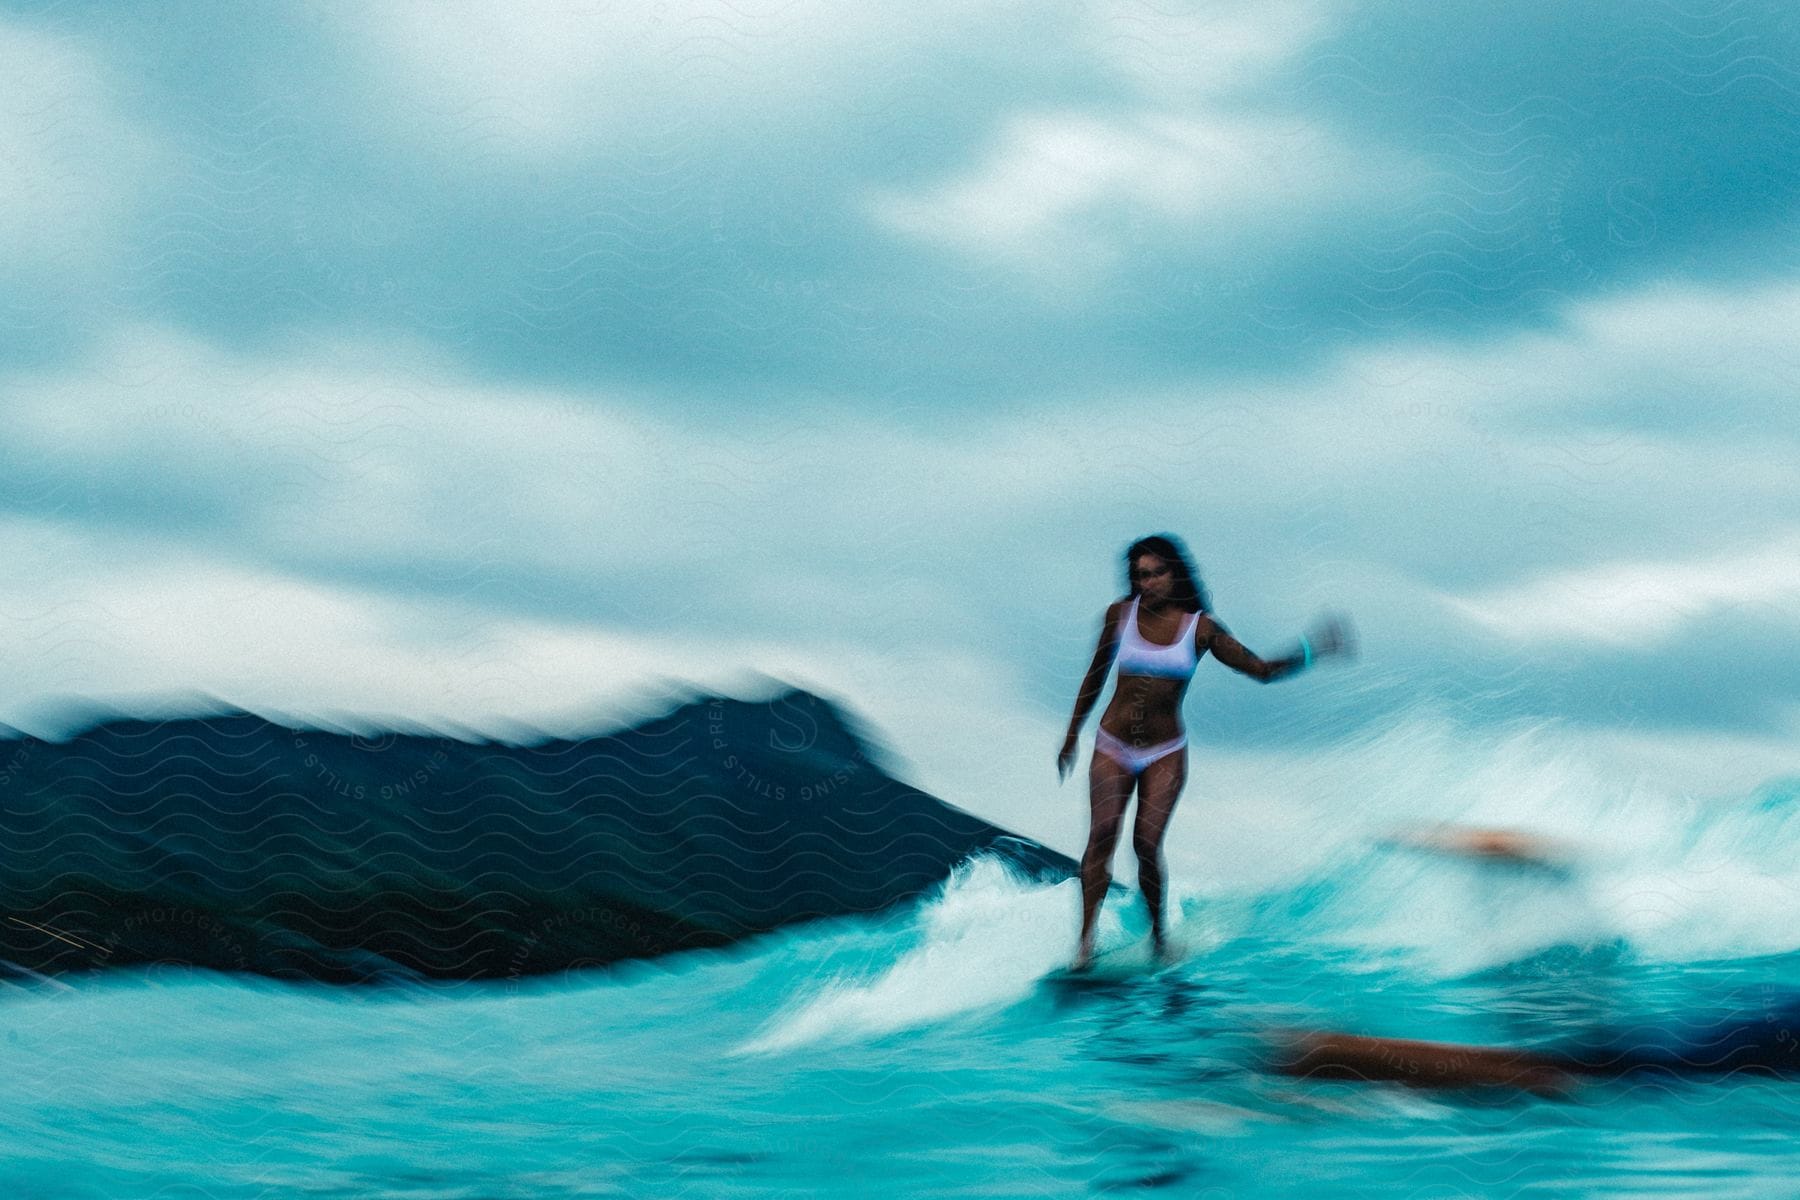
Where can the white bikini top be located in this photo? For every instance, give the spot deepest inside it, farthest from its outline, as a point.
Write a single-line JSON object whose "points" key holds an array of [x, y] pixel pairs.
{"points": [[1138, 656]]}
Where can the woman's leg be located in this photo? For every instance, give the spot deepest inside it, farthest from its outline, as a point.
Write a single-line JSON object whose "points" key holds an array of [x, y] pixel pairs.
{"points": [[1159, 787], [1109, 791]]}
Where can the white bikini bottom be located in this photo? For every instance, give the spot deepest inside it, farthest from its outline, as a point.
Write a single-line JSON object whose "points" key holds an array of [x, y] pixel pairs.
{"points": [[1135, 758]]}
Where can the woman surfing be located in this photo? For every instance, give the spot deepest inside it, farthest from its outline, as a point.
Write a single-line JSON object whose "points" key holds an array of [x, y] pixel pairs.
{"points": [[1156, 635]]}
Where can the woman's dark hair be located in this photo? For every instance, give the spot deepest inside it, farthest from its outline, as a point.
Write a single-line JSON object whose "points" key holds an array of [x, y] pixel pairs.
{"points": [[1189, 592]]}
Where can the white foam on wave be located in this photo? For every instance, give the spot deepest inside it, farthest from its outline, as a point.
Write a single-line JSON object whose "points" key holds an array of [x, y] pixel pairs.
{"points": [[984, 942], [1680, 876], [1722, 882]]}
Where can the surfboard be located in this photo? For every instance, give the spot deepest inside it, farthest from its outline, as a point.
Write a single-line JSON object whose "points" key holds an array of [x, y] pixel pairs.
{"points": [[1115, 965]]}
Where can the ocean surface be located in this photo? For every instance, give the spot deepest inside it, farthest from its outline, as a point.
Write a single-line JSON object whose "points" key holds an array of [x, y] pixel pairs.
{"points": [[932, 1050]]}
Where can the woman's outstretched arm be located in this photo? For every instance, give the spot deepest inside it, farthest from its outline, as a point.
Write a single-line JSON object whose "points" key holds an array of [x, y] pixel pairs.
{"points": [[1330, 638]]}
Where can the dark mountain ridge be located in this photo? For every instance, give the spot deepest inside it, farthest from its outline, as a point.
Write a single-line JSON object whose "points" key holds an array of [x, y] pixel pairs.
{"points": [[236, 843]]}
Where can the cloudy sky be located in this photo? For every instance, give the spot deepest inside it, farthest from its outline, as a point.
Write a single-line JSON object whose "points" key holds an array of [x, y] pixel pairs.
{"points": [[496, 363]]}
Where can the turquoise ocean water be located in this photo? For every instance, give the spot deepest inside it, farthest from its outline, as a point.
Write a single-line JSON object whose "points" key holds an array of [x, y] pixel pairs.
{"points": [[929, 1051]]}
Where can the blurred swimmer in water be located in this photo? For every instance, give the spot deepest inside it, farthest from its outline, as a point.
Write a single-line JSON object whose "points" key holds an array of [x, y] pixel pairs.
{"points": [[1746, 1032], [1759, 1039]]}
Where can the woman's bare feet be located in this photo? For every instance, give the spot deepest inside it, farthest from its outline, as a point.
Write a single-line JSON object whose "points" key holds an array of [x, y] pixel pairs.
{"points": [[1084, 956]]}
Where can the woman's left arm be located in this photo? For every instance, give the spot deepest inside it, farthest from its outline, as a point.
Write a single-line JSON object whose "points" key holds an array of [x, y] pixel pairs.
{"points": [[1328, 639]]}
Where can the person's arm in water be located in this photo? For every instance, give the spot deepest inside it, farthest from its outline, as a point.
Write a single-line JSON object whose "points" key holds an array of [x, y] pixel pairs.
{"points": [[1091, 685], [1328, 638]]}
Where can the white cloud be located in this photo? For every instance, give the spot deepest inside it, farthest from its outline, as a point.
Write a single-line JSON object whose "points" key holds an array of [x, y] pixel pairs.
{"points": [[72, 163], [344, 452], [539, 81], [377, 459], [1641, 604], [1056, 189], [1061, 193], [1201, 49], [93, 614], [1737, 342], [384, 452]]}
